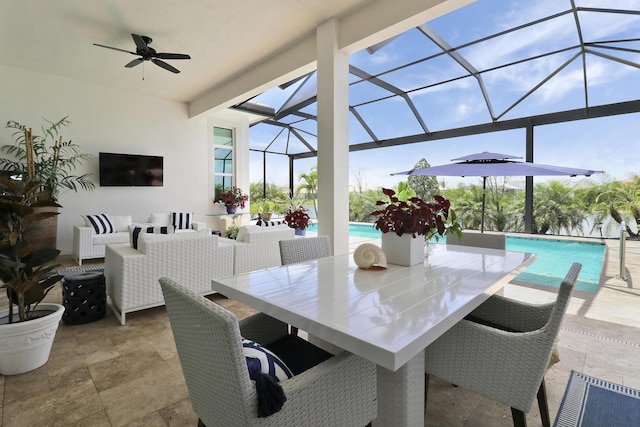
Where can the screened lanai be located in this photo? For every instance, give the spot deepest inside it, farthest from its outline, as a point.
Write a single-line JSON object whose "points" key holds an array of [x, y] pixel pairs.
{"points": [[491, 68]]}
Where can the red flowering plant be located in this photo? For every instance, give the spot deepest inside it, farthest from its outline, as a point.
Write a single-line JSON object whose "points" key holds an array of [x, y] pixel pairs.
{"points": [[412, 215], [297, 218], [233, 197]]}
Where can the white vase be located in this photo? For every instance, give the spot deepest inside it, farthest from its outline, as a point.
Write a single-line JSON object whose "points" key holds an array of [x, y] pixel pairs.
{"points": [[25, 346], [403, 250]]}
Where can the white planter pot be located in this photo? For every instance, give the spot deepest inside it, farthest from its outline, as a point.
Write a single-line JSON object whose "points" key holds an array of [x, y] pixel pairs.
{"points": [[25, 346], [403, 250]]}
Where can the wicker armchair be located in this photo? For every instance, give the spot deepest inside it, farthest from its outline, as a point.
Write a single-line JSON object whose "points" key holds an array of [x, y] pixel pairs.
{"points": [[300, 250], [257, 247], [479, 240], [502, 350], [339, 391], [132, 275]]}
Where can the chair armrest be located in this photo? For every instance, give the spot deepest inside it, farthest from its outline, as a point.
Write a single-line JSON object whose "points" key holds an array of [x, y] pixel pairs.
{"points": [[83, 243], [82, 236], [511, 314], [198, 226], [121, 263], [345, 383], [473, 355]]}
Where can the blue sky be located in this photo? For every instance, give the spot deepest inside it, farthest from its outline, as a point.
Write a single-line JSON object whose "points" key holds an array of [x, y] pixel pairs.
{"points": [[610, 144]]}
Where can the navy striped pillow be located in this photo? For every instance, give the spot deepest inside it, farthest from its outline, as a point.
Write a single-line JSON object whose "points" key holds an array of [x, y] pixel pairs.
{"points": [[181, 220], [261, 360], [136, 232], [262, 223], [101, 224]]}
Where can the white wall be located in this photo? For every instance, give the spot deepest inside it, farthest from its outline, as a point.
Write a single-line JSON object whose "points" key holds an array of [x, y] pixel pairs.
{"points": [[114, 121]]}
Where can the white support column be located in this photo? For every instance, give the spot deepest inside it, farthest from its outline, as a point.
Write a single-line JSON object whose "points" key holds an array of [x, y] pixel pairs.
{"points": [[333, 138]]}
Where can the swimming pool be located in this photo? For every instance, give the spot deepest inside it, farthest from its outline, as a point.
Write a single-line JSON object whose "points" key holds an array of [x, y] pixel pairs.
{"points": [[554, 257]]}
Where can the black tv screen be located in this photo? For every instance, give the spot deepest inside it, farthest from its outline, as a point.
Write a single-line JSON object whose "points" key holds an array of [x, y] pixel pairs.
{"points": [[126, 170]]}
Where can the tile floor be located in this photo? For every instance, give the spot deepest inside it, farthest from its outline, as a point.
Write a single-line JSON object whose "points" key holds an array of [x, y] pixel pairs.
{"points": [[105, 374]]}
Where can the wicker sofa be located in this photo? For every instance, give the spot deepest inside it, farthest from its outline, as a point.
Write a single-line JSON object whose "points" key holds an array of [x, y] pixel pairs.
{"points": [[193, 259], [258, 247], [87, 244]]}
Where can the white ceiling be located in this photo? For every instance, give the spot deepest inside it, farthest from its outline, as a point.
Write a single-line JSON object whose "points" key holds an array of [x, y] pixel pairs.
{"points": [[224, 38]]}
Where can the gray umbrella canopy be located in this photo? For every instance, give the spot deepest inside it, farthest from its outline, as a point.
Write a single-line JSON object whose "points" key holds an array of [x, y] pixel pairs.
{"points": [[487, 164]]}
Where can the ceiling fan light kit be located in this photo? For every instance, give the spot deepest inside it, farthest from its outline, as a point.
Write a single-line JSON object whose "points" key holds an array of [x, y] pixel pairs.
{"points": [[147, 53]]}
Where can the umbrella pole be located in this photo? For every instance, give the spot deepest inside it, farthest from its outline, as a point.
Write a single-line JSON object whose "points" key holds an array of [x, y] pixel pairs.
{"points": [[484, 195]]}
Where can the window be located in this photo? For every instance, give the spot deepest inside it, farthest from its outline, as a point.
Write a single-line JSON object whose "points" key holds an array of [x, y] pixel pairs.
{"points": [[222, 160]]}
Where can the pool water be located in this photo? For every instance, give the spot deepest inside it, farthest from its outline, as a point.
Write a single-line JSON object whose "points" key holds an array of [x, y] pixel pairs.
{"points": [[554, 257]]}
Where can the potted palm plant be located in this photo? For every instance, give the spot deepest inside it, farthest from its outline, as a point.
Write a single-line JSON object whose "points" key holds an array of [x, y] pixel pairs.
{"points": [[28, 327], [46, 158], [265, 208], [404, 217], [49, 160]]}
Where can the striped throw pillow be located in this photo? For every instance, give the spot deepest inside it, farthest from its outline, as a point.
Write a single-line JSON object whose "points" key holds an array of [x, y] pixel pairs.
{"points": [[136, 232], [262, 223], [101, 223], [181, 220], [261, 360]]}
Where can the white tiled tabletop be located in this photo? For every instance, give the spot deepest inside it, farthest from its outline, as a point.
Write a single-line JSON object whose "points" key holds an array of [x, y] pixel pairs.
{"points": [[385, 316]]}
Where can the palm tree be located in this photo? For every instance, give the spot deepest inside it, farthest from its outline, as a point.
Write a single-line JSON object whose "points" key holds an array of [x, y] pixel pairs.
{"points": [[467, 203], [497, 214], [618, 199], [257, 191], [311, 185], [556, 208]]}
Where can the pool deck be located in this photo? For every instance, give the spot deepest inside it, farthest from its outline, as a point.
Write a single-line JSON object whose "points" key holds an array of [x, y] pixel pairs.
{"points": [[105, 374]]}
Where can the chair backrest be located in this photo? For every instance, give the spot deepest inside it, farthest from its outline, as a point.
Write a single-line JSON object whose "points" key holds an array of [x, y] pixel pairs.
{"points": [[478, 240], [304, 249], [210, 350], [562, 300], [537, 367]]}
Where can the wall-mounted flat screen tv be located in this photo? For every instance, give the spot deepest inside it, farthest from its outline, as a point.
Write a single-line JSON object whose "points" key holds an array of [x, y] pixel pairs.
{"points": [[126, 170]]}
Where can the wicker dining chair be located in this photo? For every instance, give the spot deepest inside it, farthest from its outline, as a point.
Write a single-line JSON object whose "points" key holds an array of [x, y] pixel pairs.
{"points": [[304, 249], [479, 240], [502, 350], [338, 391]]}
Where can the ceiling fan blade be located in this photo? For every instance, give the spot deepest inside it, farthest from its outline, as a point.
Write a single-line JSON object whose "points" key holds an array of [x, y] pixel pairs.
{"points": [[115, 48], [134, 63], [164, 65], [140, 43], [172, 56]]}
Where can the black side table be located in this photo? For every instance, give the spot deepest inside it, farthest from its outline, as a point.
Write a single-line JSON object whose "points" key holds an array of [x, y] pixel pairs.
{"points": [[84, 298]]}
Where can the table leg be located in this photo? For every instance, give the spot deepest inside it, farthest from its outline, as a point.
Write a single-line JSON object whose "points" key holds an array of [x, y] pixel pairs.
{"points": [[401, 395]]}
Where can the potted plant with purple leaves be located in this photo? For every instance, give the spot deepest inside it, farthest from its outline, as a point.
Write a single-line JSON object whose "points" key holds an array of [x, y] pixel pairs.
{"points": [[233, 199], [404, 217], [299, 219]]}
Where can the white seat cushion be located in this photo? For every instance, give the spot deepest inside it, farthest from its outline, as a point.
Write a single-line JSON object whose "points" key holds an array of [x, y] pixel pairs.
{"points": [[110, 238]]}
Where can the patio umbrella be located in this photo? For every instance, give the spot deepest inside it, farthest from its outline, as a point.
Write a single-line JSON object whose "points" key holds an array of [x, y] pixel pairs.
{"points": [[487, 164]]}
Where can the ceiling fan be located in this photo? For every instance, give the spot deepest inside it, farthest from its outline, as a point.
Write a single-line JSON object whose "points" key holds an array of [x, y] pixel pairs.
{"points": [[148, 53]]}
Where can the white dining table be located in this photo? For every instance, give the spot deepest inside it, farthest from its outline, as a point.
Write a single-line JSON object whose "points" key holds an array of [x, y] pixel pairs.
{"points": [[386, 316]]}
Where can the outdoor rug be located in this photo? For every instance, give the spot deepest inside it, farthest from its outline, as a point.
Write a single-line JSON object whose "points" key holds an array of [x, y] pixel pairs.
{"points": [[85, 269], [591, 402]]}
